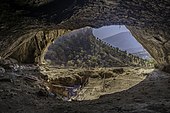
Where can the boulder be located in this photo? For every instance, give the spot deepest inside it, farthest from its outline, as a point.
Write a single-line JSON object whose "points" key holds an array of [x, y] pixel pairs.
{"points": [[118, 71], [43, 93], [57, 89], [64, 81], [70, 80], [9, 64], [31, 78], [2, 70], [106, 74]]}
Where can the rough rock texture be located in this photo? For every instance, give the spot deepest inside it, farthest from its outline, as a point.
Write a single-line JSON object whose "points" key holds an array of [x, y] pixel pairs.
{"points": [[2, 70], [33, 50], [20, 20], [157, 44], [137, 92]]}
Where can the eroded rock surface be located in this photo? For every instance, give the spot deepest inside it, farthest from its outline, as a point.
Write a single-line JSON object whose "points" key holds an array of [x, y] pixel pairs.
{"points": [[33, 50], [156, 43]]}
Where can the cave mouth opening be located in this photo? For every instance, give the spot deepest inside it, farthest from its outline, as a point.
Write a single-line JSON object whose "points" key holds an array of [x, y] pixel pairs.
{"points": [[114, 36], [85, 63]]}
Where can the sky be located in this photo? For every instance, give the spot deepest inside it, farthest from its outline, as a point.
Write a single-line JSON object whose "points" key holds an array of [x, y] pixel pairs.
{"points": [[108, 31]]}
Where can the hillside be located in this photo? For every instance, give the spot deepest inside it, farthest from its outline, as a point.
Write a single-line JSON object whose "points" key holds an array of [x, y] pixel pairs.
{"points": [[125, 41], [81, 49]]}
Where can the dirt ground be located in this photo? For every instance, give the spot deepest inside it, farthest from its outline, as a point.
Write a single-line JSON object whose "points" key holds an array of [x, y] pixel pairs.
{"points": [[137, 90]]}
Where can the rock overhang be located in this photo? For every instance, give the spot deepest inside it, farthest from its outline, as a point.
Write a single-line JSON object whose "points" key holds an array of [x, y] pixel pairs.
{"points": [[147, 20]]}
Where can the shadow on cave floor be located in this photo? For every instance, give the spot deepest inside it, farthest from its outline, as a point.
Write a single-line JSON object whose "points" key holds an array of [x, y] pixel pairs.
{"points": [[152, 95]]}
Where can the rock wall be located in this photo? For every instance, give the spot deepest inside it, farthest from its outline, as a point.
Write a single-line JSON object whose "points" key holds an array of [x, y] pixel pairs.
{"points": [[156, 42], [20, 20], [33, 50]]}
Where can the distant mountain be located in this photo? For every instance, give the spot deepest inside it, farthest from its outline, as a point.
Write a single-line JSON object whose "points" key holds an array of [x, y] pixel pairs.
{"points": [[107, 31], [81, 49], [125, 41]]}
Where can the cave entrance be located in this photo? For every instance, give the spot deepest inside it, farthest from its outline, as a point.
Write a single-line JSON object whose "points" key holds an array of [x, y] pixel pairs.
{"points": [[84, 64], [90, 47]]}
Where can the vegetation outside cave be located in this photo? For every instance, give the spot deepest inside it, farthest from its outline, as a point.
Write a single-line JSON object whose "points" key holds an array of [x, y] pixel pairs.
{"points": [[82, 49]]}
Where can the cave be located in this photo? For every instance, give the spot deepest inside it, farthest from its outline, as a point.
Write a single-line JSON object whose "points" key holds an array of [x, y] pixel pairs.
{"points": [[28, 28], [109, 48]]}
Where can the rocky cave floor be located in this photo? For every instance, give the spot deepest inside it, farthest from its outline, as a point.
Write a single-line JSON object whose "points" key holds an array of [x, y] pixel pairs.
{"points": [[135, 90]]}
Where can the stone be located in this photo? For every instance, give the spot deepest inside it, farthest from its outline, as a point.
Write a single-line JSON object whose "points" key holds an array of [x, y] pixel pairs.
{"points": [[57, 89], [70, 80], [65, 81], [9, 63], [2, 70], [106, 74], [86, 73], [43, 92], [118, 71], [31, 78], [15, 74], [44, 77]]}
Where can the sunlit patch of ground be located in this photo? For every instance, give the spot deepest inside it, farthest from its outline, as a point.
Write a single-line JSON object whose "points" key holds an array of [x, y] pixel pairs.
{"points": [[98, 86]]}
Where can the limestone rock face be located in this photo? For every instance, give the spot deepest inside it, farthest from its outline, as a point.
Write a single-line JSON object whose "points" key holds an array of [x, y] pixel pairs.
{"points": [[33, 50], [157, 44], [148, 20]]}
